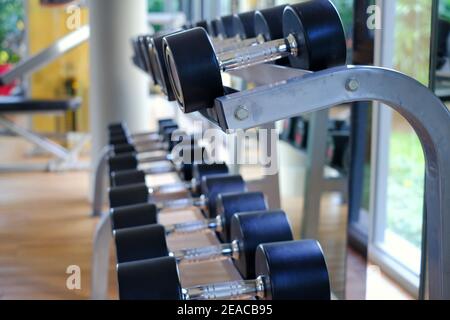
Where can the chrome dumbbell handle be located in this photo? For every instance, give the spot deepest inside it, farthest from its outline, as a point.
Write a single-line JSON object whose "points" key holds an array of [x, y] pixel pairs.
{"points": [[190, 227], [146, 157], [258, 54], [227, 290], [235, 43], [218, 42], [172, 188], [207, 253], [183, 203]]}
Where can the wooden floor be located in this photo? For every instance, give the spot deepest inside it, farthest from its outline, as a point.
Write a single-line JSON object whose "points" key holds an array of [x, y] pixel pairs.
{"points": [[44, 228]]}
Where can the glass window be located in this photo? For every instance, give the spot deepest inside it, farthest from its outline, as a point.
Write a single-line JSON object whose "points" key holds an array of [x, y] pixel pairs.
{"points": [[403, 231]]}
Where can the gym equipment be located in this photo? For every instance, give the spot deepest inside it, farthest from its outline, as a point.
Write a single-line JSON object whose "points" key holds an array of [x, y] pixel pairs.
{"points": [[141, 51], [240, 27], [181, 163], [63, 158], [119, 134], [248, 231], [241, 24], [313, 40], [295, 132], [122, 128], [294, 270], [338, 151], [227, 205], [137, 57], [193, 186], [296, 92], [147, 142], [199, 170], [248, 29], [211, 187]]}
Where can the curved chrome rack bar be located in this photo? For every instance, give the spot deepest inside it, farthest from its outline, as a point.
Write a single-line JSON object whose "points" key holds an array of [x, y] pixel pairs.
{"points": [[429, 117]]}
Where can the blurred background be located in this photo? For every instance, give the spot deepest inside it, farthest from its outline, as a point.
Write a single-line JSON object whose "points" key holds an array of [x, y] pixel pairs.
{"points": [[375, 242]]}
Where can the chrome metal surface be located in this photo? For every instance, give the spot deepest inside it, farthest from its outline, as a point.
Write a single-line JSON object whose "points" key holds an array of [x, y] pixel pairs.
{"points": [[226, 290], [423, 110]]}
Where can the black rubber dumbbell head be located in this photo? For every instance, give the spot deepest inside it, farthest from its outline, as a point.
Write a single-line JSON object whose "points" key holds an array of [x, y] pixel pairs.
{"points": [[154, 279], [164, 125], [295, 270], [141, 53], [215, 28], [168, 135], [244, 24], [154, 63], [201, 170], [144, 43], [231, 203], [117, 139], [319, 33], [202, 24], [228, 26], [134, 216], [121, 162], [120, 127], [128, 195], [187, 26], [162, 76], [195, 77], [140, 243], [197, 170], [127, 177], [162, 122], [269, 25], [214, 185], [167, 126], [123, 148], [253, 229]]}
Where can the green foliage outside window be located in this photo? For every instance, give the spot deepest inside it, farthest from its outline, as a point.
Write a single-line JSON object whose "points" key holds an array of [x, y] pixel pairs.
{"points": [[444, 9], [156, 5], [406, 161], [345, 8], [12, 29]]}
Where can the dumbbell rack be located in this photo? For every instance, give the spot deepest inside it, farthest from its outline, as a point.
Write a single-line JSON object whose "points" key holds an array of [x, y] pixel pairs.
{"points": [[217, 270], [294, 92], [267, 74]]}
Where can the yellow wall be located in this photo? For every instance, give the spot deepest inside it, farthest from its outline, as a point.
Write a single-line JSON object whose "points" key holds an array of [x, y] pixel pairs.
{"points": [[45, 26]]}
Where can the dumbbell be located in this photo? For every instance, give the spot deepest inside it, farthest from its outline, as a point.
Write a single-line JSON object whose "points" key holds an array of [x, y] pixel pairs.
{"points": [[227, 205], [199, 170], [142, 51], [248, 231], [313, 39], [233, 31], [211, 187], [294, 270], [137, 57], [232, 27], [121, 128], [141, 46], [119, 134], [181, 163], [248, 29], [266, 23], [136, 177]]}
